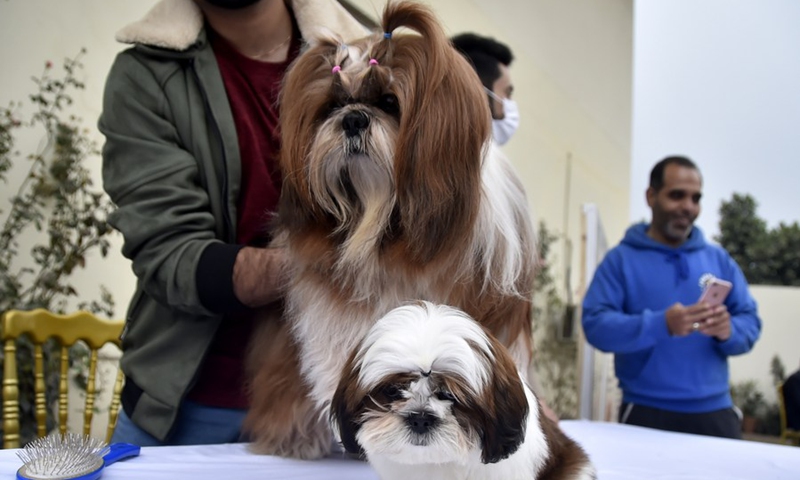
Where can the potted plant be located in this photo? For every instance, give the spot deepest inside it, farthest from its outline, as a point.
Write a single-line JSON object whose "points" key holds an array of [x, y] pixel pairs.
{"points": [[556, 357], [750, 400]]}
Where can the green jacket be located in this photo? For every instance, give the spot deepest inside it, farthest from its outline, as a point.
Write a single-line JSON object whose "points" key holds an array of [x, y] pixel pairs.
{"points": [[171, 165]]}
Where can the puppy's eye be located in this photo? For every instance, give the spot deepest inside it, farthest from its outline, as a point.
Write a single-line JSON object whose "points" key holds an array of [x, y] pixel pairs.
{"points": [[392, 392], [388, 103], [445, 395]]}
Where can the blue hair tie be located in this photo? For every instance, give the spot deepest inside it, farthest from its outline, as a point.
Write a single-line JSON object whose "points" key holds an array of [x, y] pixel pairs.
{"points": [[387, 35]]}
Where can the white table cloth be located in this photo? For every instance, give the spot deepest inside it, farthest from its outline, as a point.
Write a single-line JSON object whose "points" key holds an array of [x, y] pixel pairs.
{"points": [[620, 452]]}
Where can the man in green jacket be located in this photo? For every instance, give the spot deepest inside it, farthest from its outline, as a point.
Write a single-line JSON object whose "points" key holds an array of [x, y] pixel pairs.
{"points": [[190, 119]]}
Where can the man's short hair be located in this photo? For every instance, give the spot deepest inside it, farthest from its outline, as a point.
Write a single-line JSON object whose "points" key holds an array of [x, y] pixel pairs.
{"points": [[657, 173], [486, 55]]}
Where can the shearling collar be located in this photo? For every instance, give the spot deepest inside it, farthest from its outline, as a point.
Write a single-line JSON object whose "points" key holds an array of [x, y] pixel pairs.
{"points": [[176, 24]]}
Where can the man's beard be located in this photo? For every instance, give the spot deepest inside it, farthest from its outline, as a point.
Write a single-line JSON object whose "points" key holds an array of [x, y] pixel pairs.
{"points": [[678, 232]]}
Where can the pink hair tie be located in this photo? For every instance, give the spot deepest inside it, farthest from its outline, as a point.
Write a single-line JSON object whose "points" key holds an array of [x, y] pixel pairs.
{"points": [[336, 69], [372, 61]]}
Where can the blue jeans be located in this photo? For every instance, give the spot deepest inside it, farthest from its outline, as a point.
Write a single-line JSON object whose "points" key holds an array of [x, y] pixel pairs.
{"points": [[196, 425]]}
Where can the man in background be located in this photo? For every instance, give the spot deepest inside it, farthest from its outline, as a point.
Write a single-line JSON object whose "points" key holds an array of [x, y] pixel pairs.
{"points": [[491, 60], [671, 350]]}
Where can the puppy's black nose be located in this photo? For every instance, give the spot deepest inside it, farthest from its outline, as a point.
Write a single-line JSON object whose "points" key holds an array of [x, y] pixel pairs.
{"points": [[354, 122], [421, 422]]}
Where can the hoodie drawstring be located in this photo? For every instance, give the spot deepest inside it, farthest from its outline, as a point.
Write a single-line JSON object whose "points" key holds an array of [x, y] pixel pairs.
{"points": [[681, 265]]}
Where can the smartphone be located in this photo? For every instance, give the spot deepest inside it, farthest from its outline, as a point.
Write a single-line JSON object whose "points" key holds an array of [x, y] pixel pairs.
{"points": [[715, 292]]}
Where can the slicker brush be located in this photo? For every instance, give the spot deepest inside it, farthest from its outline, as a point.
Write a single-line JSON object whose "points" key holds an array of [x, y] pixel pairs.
{"points": [[70, 456]]}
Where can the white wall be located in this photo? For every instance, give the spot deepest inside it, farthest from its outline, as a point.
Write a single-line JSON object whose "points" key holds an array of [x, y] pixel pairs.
{"points": [[779, 308]]}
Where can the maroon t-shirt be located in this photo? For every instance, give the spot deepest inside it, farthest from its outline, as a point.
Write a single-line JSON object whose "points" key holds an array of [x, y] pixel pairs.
{"points": [[252, 88]]}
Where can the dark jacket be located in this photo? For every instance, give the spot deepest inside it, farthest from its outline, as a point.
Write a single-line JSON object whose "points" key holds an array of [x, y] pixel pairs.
{"points": [[171, 165]]}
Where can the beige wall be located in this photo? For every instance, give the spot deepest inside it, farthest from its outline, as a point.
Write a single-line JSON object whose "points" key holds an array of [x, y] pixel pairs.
{"points": [[35, 31], [572, 77]]}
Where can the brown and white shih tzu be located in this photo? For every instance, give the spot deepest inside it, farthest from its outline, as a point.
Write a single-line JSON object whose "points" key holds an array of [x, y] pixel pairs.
{"points": [[430, 394], [390, 194]]}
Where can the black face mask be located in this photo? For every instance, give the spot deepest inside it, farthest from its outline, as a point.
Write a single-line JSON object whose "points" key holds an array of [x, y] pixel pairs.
{"points": [[231, 4]]}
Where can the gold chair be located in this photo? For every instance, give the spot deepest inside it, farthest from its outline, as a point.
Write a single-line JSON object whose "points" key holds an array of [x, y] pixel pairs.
{"points": [[40, 325], [788, 435]]}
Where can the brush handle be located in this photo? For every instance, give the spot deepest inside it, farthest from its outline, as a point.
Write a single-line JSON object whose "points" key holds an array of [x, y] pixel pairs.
{"points": [[120, 451]]}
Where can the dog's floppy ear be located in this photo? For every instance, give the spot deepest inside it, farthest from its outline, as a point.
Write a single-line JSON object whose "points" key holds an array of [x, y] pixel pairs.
{"points": [[444, 127], [308, 85], [506, 411], [347, 406]]}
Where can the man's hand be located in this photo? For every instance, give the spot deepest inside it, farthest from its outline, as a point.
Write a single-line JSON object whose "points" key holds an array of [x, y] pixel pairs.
{"points": [[683, 320], [718, 324], [259, 275]]}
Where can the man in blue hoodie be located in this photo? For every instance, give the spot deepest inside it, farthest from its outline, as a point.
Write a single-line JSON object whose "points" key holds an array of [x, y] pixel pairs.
{"points": [[670, 350]]}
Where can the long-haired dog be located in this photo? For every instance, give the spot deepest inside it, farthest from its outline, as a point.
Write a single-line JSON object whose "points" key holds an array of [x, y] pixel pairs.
{"points": [[431, 394], [388, 195]]}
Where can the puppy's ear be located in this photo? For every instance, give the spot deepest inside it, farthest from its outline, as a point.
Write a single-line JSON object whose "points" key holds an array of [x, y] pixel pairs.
{"points": [[346, 408], [506, 410]]}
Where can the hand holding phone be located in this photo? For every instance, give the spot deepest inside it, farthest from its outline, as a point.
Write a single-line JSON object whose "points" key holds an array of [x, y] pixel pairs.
{"points": [[715, 292]]}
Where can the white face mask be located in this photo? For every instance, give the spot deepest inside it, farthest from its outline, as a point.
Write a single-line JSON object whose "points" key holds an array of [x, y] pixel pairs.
{"points": [[504, 128]]}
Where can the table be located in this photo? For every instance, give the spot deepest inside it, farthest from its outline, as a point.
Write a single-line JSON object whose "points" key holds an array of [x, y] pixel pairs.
{"points": [[620, 452], [625, 452]]}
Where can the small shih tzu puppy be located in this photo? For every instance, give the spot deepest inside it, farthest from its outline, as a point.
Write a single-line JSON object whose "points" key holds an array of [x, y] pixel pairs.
{"points": [[430, 394], [390, 194]]}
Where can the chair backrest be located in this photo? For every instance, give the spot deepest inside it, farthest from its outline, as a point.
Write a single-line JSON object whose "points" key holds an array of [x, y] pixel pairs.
{"points": [[787, 434], [40, 325]]}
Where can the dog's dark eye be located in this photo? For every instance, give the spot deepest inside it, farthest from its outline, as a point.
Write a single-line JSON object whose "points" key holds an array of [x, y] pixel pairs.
{"points": [[445, 395], [392, 392], [330, 108], [388, 103]]}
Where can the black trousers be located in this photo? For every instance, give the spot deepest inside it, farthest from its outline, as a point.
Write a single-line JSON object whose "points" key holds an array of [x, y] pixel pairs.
{"points": [[719, 423]]}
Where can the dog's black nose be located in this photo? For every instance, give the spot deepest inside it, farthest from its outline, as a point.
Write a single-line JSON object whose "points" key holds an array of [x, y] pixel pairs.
{"points": [[354, 122], [421, 422]]}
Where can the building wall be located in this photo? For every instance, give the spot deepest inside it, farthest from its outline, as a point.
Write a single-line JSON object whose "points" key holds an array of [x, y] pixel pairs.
{"points": [[33, 32], [779, 308]]}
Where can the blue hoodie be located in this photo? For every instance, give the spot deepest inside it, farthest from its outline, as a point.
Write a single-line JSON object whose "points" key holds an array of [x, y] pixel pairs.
{"points": [[624, 313]]}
